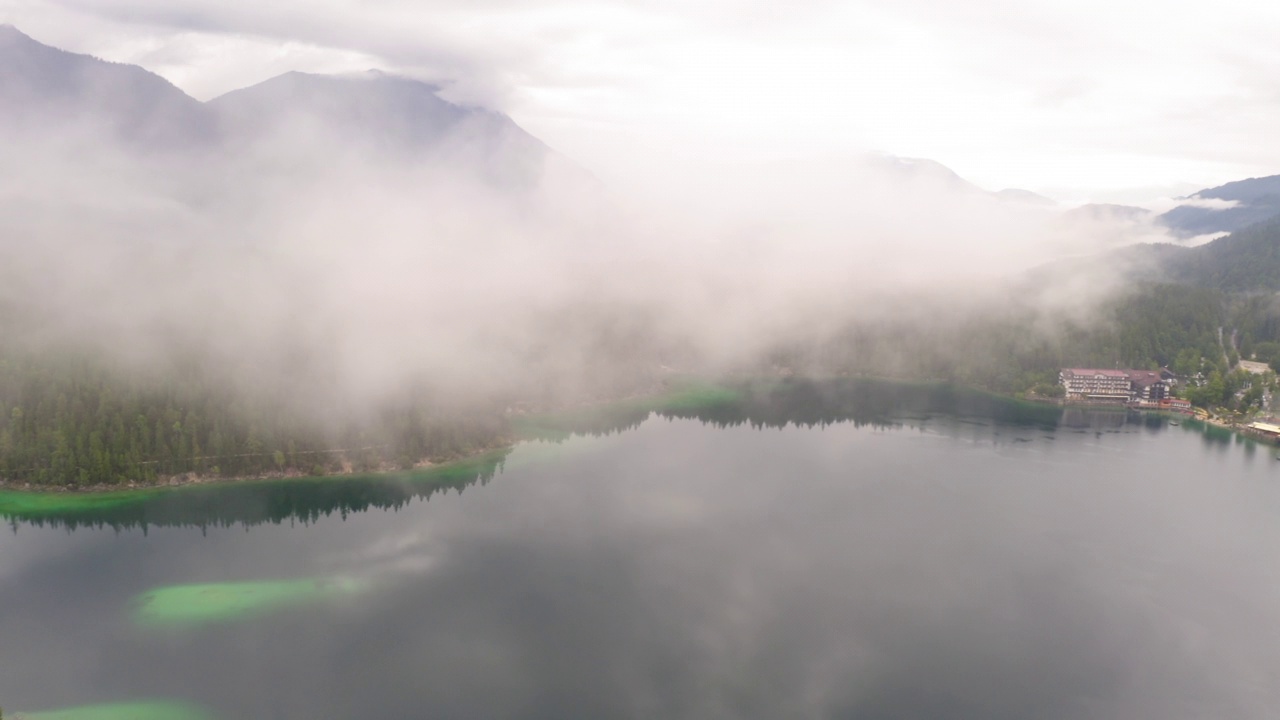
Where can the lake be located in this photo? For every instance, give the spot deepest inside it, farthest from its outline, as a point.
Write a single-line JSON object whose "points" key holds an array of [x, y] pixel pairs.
{"points": [[969, 558]]}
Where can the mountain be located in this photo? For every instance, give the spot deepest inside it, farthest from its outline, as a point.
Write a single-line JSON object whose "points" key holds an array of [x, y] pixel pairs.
{"points": [[298, 116], [387, 116], [1247, 260], [922, 172], [931, 173], [1250, 201], [43, 89]]}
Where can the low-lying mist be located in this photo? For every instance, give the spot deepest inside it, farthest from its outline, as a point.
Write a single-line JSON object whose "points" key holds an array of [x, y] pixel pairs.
{"points": [[318, 269]]}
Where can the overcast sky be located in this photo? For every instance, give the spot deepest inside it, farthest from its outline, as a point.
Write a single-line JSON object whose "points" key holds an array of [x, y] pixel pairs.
{"points": [[1123, 100]]}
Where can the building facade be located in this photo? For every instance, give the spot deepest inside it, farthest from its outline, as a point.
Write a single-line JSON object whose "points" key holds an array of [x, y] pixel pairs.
{"points": [[1091, 385], [1113, 386], [1147, 385]]}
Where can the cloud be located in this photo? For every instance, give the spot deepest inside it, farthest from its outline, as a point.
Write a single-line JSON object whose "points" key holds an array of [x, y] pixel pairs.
{"points": [[1204, 239], [1097, 99], [1209, 203], [1168, 203], [308, 268], [332, 257]]}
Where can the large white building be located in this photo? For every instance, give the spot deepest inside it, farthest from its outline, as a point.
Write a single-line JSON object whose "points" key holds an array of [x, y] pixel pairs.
{"points": [[1113, 386]]}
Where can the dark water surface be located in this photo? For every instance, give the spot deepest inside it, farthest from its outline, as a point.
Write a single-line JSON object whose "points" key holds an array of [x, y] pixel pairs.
{"points": [[1092, 566]]}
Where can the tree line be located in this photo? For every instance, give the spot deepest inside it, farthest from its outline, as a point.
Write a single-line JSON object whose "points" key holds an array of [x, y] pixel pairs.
{"points": [[69, 418], [72, 418]]}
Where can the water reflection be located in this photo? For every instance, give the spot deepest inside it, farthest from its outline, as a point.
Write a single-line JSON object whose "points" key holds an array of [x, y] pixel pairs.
{"points": [[811, 403], [251, 503], [738, 566], [777, 404]]}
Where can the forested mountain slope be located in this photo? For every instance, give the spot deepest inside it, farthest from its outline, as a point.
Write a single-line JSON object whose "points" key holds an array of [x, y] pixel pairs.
{"points": [[1247, 260], [1251, 201]]}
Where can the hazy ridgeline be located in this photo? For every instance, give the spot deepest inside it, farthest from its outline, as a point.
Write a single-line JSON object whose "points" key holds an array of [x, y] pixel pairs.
{"points": [[352, 264]]}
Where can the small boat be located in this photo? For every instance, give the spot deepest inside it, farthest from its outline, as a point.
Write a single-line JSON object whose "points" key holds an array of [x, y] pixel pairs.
{"points": [[1174, 422]]}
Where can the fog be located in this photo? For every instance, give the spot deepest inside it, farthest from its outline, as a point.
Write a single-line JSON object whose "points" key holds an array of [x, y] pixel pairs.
{"points": [[313, 258]]}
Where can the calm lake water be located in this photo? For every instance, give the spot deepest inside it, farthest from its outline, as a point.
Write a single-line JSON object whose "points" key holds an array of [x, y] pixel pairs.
{"points": [[937, 566]]}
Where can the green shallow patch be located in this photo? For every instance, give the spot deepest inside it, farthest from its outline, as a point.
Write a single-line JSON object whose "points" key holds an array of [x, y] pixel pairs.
{"points": [[150, 710], [249, 502], [606, 418], [700, 396], [197, 604], [18, 503]]}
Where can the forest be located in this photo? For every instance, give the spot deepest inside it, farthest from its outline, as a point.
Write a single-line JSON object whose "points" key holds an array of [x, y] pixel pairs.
{"points": [[1151, 325], [72, 418]]}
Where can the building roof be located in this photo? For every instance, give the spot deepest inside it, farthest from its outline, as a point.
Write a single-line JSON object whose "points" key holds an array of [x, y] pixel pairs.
{"points": [[1266, 427], [1145, 377], [1093, 371]]}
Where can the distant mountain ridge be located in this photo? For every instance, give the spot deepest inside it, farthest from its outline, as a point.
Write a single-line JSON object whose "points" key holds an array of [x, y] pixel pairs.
{"points": [[1246, 261], [923, 170], [387, 115], [1254, 200], [47, 90], [44, 90]]}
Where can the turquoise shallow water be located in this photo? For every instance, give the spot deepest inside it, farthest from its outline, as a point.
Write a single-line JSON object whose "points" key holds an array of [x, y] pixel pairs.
{"points": [[949, 561]]}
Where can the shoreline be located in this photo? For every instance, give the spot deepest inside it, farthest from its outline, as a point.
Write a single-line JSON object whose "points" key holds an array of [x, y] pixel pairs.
{"points": [[534, 426], [533, 431], [193, 479]]}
